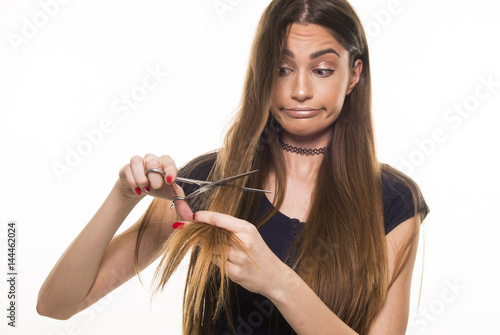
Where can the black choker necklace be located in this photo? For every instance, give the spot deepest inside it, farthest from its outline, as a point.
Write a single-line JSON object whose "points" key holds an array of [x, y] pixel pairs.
{"points": [[302, 151]]}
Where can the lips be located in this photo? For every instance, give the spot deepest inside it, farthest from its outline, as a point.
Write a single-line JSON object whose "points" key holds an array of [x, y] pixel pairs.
{"points": [[301, 112]]}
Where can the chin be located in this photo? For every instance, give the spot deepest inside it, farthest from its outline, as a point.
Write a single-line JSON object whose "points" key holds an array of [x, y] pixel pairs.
{"points": [[307, 133]]}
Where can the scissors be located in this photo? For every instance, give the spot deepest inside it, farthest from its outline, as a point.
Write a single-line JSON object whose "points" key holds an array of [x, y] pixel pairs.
{"points": [[205, 185]]}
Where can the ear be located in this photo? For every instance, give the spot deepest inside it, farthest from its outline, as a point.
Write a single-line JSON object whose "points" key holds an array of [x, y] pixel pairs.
{"points": [[355, 75]]}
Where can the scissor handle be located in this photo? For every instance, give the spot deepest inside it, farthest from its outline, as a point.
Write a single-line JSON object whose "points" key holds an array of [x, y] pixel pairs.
{"points": [[148, 171], [174, 199]]}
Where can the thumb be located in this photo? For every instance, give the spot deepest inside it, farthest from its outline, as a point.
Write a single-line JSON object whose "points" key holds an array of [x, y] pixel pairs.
{"points": [[183, 210]]}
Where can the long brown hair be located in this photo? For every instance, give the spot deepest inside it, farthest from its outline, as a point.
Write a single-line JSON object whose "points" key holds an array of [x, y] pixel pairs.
{"points": [[341, 252]]}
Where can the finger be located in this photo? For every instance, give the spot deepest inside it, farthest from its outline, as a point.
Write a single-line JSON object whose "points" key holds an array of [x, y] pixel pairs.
{"points": [[232, 254], [168, 165], [155, 180], [181, 206], [216, 260], [137, 166], [225, 221], [201, 242], [183, 210], [127, 172]]}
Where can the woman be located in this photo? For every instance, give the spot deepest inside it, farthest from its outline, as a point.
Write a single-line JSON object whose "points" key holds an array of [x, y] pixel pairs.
{"points": [[330, 252]]}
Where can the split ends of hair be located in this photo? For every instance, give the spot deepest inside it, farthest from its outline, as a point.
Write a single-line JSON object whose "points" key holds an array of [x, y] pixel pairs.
{"points": [[207, 272]]}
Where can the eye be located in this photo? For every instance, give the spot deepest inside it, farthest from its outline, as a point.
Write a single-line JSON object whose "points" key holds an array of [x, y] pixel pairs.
{"points": [[283, 71], [323, 72]]}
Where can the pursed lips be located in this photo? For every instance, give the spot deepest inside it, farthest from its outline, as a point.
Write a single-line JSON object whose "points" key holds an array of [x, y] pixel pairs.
{"points": [[301, 112]]}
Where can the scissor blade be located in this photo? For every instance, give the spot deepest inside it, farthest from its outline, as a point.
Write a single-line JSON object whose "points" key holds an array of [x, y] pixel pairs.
{"points": [[195, 193], [218, 182], [226, 180], [256, 190], [192, 181], [206, 186]]}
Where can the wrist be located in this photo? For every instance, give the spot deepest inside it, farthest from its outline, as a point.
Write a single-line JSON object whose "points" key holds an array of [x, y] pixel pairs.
{"points": [[285, 279], [124, 199]]}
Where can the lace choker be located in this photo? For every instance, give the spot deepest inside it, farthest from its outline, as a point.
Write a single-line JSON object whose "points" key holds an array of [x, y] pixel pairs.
{"points": [[302, 151]]}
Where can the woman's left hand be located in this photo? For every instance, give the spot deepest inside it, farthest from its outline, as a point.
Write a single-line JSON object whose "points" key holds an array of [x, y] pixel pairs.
{"points": [[262, 275]]}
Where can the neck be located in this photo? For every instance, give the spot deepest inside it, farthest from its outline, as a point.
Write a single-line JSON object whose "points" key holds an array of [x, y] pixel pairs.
{"points": [[301, 166]]}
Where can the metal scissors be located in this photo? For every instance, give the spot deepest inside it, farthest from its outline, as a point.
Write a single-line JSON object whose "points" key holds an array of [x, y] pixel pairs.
{"points": [[206, 185]]}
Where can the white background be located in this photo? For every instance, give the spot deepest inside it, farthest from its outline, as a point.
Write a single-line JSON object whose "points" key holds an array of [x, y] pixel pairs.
{"points": [[63, 78]]}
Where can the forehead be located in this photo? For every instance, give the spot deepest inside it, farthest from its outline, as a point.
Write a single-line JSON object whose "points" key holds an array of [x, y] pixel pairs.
{"points": [[309, 38]]}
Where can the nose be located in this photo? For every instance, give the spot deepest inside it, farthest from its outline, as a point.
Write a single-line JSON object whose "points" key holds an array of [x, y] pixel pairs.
{"points": [[302, 89]]}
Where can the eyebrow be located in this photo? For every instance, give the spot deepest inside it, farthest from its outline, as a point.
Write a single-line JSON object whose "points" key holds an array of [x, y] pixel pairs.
{"points": [[315, 54]]}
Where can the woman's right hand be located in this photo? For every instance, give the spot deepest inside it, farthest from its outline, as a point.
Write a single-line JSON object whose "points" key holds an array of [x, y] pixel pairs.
{"points": [[134, 182]]}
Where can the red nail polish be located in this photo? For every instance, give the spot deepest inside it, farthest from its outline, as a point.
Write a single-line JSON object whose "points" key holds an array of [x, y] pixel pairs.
{"points": [[194, 217], [138, 191], [177, 225], [147, 188], [169, 179]]}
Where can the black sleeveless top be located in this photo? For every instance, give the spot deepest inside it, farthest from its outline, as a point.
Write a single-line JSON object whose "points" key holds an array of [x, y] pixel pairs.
{"points": [[280, 232]]}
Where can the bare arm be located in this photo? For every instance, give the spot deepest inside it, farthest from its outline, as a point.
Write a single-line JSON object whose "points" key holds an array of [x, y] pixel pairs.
{"points": [[393, 317], [70, 287], [307, 314], [297, 302], [95, 263]]}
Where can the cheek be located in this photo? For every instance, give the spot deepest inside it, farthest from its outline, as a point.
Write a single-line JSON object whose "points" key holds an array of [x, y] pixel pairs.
{"points": [[277, 100], [274, 108], [333, 97], [338, 100]]}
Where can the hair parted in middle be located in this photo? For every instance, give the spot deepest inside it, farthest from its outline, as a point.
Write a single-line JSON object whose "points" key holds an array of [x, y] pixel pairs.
{"points": [[349, 270]]}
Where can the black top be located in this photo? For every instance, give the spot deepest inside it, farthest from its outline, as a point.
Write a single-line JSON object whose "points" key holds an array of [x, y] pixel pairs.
{"points": [[280, 232]]}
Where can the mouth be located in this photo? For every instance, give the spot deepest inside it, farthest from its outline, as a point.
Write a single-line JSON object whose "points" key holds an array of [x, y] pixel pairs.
{"points": [[301, 112]]}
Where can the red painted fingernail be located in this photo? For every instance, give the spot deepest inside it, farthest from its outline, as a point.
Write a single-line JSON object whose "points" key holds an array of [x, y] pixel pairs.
{"points": [[169, 179], [177, 225], [194, 217], [147, 189], [138, 191]]}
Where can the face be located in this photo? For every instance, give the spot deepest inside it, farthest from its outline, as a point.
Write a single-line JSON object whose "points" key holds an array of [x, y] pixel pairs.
{"points": [[314, 79]]}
